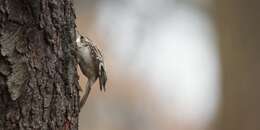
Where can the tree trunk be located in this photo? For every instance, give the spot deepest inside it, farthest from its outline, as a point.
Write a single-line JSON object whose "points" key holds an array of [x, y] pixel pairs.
{"points": [[38, 77], [239, 31]]}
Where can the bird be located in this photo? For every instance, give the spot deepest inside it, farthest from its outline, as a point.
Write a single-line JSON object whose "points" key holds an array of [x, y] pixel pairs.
{"points": [[91, 62]]}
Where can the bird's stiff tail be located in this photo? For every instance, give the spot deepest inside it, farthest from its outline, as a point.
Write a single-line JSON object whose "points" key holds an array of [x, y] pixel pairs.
{"points": [[102, 77]]}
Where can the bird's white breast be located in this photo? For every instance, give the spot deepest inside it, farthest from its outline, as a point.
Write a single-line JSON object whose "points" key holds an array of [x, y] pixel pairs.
{"points": [[86, 62], [85, 54]]}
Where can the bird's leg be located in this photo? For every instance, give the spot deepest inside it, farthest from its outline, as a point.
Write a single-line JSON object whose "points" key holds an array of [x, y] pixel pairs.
{"points": [[87, 91], [80, 89]]}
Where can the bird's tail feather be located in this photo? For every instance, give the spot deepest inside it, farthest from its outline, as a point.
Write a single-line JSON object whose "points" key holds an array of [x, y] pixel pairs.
{"points": [[102, 78]]}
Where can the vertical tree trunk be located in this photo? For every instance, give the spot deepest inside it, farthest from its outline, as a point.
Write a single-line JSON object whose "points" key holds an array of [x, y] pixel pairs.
{"points": [[38, 79], [239, 31]]}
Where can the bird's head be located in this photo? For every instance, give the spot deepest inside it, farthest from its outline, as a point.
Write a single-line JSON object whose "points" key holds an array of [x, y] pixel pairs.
{"points": [[80, 40]]}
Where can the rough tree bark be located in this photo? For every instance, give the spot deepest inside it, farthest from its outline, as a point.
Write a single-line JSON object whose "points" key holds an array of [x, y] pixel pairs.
{"points": [[38, 78], [239, 31]]}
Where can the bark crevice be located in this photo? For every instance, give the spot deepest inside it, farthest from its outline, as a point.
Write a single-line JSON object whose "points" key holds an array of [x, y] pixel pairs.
{"points": [[38, 77]]}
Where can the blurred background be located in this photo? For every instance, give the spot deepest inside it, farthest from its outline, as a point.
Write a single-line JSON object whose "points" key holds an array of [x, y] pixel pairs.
{"points": [[173, 64]]}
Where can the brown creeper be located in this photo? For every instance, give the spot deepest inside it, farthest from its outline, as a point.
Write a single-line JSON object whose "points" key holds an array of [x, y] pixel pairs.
{"points": [[91, 64]]}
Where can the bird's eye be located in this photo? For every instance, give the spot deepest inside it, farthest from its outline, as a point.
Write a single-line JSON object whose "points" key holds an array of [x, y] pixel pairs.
{"points": [[81, 38]]}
